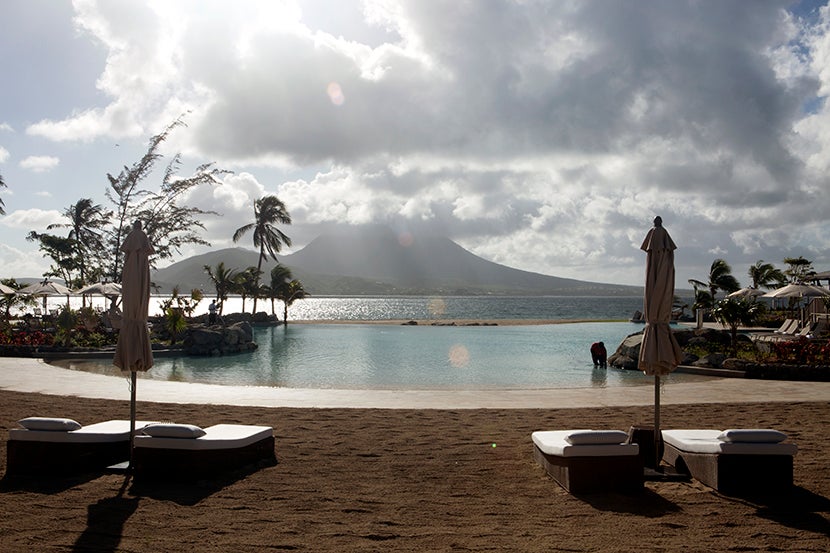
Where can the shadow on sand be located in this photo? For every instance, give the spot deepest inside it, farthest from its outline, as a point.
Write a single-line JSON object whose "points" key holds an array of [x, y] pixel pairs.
{"points": [[191, 492], [105, 523], [45, 484], [796, 508], [646, 503]]}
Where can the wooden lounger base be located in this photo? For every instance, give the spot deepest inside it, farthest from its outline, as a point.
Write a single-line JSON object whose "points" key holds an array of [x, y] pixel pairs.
{"points": [[184, 464], [734, 474], [593, 474], [61, 458]]}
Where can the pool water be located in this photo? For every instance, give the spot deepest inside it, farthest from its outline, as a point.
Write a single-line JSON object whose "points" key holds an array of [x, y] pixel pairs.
{"points": [[386, 356]]}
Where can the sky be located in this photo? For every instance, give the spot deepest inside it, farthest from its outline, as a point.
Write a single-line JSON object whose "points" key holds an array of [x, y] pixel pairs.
{"points": [[543, 135]]}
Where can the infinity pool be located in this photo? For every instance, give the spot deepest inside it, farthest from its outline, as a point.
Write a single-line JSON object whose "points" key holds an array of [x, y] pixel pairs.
{"points": [[384, 356]]}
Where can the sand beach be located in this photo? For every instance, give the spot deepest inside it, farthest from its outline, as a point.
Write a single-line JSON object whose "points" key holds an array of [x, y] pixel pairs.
{"points": [[459, 478]]}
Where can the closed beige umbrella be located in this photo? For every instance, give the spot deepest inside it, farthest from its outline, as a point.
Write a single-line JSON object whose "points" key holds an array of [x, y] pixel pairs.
{"points": [[133, 352], [659, 353]]}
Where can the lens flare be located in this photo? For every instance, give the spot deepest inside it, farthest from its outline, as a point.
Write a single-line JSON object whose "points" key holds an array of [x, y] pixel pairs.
{"points": [[405, 239], [437, 307], [335, 94], [459, 356]]}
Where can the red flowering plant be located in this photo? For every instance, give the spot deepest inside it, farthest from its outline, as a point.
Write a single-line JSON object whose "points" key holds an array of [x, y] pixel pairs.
{"points": [[26, 338], [803, 351]]}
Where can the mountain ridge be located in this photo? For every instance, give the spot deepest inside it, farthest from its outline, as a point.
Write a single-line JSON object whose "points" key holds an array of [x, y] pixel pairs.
{"points": [[377, 261]]}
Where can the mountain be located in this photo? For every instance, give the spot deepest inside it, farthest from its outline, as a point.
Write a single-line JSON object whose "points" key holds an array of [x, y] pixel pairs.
{"points": [[376, 261]]}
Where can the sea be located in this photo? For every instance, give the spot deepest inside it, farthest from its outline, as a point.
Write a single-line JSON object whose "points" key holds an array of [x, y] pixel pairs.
{"points": [[432, 355]]}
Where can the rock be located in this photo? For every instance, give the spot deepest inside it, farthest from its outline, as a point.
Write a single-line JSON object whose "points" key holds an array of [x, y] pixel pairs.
{"points": [[215, 340], [734, 364], [688, 358], [712, 360]]}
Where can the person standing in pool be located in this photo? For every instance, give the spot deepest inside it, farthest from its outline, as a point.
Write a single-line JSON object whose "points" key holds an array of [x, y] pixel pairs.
{"points": [[599, 355]]}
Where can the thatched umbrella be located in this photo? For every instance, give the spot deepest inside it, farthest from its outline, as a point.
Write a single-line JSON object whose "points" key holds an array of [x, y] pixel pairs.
{"points": [[45, 288], [100, 289], [133, 352], [659, 353], [748, 292], [799, 291]]}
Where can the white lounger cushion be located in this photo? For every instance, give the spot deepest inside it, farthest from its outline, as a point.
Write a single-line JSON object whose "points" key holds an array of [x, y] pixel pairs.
{"points": [[752, 435], [172, 430], [707, 441], [596, 437], [555, 442], [108, 431], [49, 423], [220, 436]]}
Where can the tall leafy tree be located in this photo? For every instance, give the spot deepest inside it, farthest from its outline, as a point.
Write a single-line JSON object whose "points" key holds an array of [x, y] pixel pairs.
{"points": [[87, 224], [720, 278], [765, 275], [224, 280], [61, 250], [799, 268], [268, 239], [168, 224]]}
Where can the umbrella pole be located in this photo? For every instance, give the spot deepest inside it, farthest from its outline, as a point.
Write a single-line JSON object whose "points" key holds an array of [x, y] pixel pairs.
{"points": [[656, 422], [132, 416]]}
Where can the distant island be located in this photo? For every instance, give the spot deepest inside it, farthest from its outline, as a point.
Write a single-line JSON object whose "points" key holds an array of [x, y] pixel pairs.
{"points": [[371, 260]]}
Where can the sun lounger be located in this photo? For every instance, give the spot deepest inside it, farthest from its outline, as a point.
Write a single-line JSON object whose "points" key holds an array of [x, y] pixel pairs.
{"points": [[62, 446], [788, 327], [583, 461], [189, 452], [732, 461]]}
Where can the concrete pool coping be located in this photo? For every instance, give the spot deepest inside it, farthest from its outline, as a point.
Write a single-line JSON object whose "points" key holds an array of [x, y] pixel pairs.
{"points": [[36, 376]]}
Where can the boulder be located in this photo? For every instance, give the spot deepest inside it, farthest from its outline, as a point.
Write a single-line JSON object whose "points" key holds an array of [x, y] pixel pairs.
{"points": [[216, 340], [712, 360]]}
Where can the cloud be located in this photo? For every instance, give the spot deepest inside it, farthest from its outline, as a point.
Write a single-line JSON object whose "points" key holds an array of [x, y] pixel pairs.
{"points": [[39, 164], [31, 219], [4, 154], [6, 127], [25, 264], [539, 136]]}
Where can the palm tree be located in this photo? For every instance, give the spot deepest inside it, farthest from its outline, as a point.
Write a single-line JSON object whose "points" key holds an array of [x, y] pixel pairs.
{"points": [[268, 211], [86, 224], [246, 283], [280, 275], [288, 293], [720, 278], [765, 275], [223, 280], [734, 312]]}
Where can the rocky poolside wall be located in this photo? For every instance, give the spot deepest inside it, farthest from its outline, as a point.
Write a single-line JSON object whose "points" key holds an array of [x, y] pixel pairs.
{"points": [[628, 352]]}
